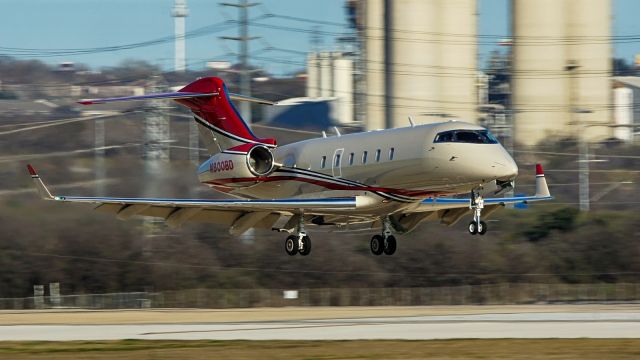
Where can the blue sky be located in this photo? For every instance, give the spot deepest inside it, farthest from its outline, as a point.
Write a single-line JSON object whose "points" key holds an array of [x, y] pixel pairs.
{"points": [[56, 24]]}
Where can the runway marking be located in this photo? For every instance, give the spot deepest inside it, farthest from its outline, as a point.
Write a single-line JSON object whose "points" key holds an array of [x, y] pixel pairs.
{"points": [[257, 328]]}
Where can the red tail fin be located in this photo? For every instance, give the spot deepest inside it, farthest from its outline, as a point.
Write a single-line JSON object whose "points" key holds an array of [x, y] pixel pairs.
{"points": [[218, 114]]}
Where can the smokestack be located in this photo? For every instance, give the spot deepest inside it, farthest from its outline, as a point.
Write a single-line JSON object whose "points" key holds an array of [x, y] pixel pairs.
{"points": [[179, 13]]}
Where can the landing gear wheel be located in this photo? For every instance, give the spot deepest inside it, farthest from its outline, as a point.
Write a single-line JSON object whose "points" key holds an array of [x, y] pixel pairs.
{"points": [[306, 246], [377, 245], [291, 245], [473, 228], [390, 245], [482, 228]]}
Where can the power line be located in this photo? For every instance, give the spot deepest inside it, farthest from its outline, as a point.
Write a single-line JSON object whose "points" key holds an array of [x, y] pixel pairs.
{"points": [[457, 72], [629, 37], [63, 122], [43, 52], [441, 38]]}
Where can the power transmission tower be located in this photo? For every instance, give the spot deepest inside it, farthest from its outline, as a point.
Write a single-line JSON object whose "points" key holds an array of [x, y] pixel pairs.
{"points": [[243, 57], [156, 158]]}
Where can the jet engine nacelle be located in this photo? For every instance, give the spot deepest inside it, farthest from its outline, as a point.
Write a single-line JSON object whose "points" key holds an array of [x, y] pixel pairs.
{"points": [[240, 165]]}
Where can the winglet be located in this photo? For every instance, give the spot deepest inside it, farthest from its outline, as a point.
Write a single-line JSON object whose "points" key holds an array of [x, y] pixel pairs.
{"points": [[542, 190], [32, 171], [42, 189]]}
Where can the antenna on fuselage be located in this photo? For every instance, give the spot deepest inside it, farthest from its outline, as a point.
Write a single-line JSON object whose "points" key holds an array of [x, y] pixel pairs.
{"points": [[335, 128], [411, 123]]}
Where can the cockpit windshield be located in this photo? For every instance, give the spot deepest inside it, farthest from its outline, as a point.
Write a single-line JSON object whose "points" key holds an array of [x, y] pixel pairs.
{"points": [[466, 136]]}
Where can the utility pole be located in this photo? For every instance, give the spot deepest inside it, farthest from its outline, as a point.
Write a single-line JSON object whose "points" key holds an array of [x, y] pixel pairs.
{"points": [[583, 177], [316, 38], [98, 144], [243, 57], [583, 144]]}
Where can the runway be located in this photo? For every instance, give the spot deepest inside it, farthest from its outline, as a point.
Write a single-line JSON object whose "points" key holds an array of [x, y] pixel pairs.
{"points": [[614, 322]]}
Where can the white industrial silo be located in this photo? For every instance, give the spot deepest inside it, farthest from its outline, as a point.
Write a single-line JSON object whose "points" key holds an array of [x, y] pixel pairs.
{"points": [[373, 33], [313, 76], [561, 68], [540, 82], [589, 28], [421, 60], [330, 76], [458, 54], [343, 87], [623, 113], [415, 60]]}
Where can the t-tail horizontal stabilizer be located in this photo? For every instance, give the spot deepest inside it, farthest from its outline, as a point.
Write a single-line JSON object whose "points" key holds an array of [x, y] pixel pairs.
{"points": [[212, 108]]}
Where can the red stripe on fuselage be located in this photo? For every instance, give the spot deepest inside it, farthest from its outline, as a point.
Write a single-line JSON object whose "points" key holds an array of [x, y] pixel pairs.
{"points": [[326, 184]]}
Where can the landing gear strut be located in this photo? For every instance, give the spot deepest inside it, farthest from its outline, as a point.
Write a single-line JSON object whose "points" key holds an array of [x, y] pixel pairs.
{"points": [[385, 243], [300, 243], [477, 226]]}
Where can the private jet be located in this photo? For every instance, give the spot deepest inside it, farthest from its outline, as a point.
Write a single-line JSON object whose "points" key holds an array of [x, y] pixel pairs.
{"points": [[391, 179]]}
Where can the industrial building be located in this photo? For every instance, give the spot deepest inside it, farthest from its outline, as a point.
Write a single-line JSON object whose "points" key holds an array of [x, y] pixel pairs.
{"points": [[561, 69], [626, 107], [330, 75]]}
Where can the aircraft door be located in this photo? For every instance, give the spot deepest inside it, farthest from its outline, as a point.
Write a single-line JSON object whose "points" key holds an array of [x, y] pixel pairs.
{"points": [[336, 163]]}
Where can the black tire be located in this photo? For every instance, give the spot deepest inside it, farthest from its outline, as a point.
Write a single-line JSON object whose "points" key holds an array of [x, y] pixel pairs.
{"points": [[390, 245], [482, 228], [306, 246], [377, 245], [473, 228], [291, 245]]}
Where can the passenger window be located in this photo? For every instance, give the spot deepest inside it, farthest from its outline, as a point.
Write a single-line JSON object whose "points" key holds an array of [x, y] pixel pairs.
{"points": [[364, 157], [323, 162], [337, 162], [351, 159], [391, 153], [378, 155]]}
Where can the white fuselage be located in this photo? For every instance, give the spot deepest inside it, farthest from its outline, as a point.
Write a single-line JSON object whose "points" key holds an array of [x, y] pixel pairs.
{"points": [[401, 165]]}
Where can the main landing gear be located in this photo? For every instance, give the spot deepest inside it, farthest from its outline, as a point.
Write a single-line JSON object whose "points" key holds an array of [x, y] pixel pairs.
{"points": [[385, 243], [300, 243], [477, 226]]}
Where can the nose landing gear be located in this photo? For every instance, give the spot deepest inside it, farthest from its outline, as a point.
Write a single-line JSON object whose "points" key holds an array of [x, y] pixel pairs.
{"points": [[477, 226]]}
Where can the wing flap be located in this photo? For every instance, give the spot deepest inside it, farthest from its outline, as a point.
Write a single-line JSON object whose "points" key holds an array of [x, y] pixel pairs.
{"points": [[171, 209]]}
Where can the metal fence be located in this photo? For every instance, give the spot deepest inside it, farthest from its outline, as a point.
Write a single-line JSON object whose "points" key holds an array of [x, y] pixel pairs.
{"points": [[492, 294]]}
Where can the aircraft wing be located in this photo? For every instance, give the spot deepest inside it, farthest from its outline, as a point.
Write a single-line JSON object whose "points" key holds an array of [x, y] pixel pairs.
{"points": [[239, 214], [542, 193]]}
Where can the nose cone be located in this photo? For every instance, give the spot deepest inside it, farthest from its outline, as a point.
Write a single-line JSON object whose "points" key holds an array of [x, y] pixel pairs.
{"points": [[495, 163], [509, 168]]}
